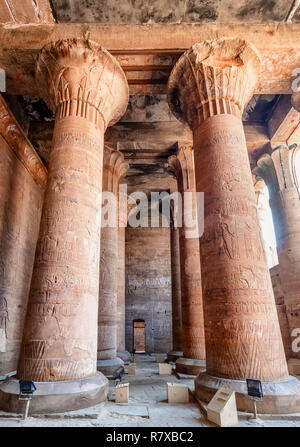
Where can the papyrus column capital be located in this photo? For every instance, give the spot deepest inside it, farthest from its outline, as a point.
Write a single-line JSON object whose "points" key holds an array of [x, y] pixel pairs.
{"points": [[212, 78], [182, 166], [77, 77], [278, 169], [114, 168]]}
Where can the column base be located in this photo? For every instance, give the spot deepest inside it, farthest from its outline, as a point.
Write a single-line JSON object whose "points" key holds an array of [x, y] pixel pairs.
{"points": [[190, 366], [125, 356], [108, 367], [172, 356], [279, 397], [55, 397], [294, 366]]}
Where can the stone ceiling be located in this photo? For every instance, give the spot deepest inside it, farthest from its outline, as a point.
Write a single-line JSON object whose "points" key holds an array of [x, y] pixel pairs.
{"points": [[171, 11]]}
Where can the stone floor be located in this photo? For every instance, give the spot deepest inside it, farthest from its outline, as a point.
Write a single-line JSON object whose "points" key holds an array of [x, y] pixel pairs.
{"points": [[147, 407]]}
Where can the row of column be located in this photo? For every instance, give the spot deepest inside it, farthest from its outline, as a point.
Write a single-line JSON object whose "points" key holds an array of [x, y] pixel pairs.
{"points": [[208, 88], [191, 311], [278, 170], [112, 269]]}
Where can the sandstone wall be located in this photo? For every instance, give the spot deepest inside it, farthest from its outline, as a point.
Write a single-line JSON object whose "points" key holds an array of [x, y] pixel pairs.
{"points": [[20, 209], [148, 286]]}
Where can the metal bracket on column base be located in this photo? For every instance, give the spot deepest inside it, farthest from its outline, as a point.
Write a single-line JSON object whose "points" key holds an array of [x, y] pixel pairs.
{"points": [[55, 397], [108, 367], [172, 356], [279, 397], [191, 367]]}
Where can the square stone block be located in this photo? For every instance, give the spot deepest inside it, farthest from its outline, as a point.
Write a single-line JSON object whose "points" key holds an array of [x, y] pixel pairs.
{"points": [[294, 366], [160, 358], [122, 393], [164, 368], [222, 408], [132, 368], [178, 393]]}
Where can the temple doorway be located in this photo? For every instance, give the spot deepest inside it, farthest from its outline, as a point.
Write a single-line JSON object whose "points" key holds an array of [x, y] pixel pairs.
{"points": [[139, 336]]}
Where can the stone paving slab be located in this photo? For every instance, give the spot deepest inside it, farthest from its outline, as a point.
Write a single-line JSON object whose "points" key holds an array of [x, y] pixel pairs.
{"points": [[177, 411], [147, 407], [131, 409]]}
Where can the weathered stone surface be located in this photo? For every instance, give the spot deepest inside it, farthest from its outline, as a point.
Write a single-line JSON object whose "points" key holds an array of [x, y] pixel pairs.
{"points": [[113, 168], [56, 397], [20, 211], [26, 11], [88, 90], [153, 140], [191, 290], [15, 138], [278, 45], [176, 291], [279, 172], [168, 11], [209, 88], [121, 349], [148, 270], [148, 296]]}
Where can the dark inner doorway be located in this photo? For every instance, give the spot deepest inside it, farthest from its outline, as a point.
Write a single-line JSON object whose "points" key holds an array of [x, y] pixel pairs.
{"points": [[139, 336]]}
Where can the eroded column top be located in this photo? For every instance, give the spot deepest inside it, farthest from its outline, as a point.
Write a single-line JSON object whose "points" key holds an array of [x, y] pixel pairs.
{"points": [[278, 169], [114, 167], [77, 77], [182, 166], [211, 78]]}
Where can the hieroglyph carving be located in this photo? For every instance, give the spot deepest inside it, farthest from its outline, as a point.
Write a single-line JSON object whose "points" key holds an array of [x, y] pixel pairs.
{"points": [[88, 90], [209, 88]]}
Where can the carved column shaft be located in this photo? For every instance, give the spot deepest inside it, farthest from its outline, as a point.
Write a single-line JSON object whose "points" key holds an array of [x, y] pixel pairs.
{"points": [[191, 292], [121, 290], [209, 87], [122, 352], [60, 336], [239, 305], [114, 167], [278, 171], [176, 291]]}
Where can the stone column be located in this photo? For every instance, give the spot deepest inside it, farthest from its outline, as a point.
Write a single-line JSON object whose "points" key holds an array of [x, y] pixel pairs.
{"points": [[209, 88], [262, 208], [88, 91], [272, 260], [193, 359], [279, 173], [113, 168], [176, 296], [121, 349]]}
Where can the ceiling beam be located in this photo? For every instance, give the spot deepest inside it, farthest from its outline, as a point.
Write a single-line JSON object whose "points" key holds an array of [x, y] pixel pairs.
{"points": [[283, 124], [25, 11], [144, 47], [12, 133]]}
